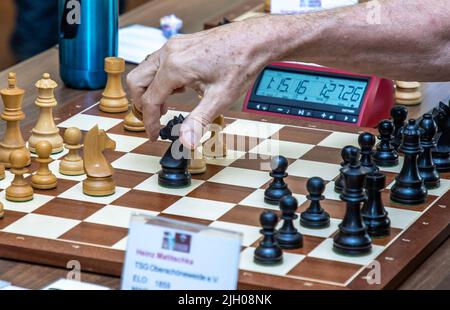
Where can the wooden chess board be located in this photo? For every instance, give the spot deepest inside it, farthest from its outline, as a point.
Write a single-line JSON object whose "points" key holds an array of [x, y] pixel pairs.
{"points": [[64, 224]]}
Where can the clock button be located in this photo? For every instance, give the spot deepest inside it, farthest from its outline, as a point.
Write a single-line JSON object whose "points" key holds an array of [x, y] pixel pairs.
{"points": [[347, 118], [258, 106], [280, 109], [304, 112], [321, 114]]}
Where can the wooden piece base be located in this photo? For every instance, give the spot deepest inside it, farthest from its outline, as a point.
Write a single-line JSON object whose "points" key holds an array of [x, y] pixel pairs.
{"points": [[71, 168], [113, 106], [44, 182], [99, 187], [21, 193], [132, 123]]}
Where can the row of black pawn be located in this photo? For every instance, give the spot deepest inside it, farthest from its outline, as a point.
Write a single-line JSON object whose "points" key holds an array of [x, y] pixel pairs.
{"points": [[353, 236], [358, 173]]}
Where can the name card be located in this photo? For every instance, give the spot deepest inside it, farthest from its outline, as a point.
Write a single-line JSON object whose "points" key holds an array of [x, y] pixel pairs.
{"points": [[303, 6], [164, 254]]}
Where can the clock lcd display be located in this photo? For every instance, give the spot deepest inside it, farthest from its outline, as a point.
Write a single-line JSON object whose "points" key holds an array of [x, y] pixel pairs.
{"points": [[311, 88]]}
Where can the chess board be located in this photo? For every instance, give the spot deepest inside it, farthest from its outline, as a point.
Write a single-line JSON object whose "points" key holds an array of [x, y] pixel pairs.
{"points": [[63, 224]]}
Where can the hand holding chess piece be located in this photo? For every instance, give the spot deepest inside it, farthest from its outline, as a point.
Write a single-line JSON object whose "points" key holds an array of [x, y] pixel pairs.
{"points": [[174, 163], [44, 178], [19, 190], [72, 164]]}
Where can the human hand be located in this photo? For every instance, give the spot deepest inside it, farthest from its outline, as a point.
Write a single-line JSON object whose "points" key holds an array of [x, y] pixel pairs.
{"points": [[220, 64]]}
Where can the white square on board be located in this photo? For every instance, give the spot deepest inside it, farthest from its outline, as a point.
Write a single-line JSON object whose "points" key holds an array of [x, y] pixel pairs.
{"points": [[138, 162], [252, 129], [43, 226], [199, 208], [86, 122], [340, 140], [401, 218], [272, 147], [325, 251], [290, 260], [76, 193], [308, 169], [116, 216], [241, 177]]}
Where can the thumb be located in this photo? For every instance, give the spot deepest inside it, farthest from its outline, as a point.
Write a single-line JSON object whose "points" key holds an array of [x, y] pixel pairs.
{"points": [[194, 126]]}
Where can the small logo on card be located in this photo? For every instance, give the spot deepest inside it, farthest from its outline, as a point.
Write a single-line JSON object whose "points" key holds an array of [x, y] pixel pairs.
{"points": [[178, 242]]}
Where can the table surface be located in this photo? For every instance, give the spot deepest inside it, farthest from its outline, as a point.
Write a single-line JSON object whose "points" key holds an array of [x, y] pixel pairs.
{"points": [[434, 273]]}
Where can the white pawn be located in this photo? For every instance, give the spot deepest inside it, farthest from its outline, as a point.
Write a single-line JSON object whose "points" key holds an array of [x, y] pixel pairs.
{"points": [[72, 164], [44, 178]]}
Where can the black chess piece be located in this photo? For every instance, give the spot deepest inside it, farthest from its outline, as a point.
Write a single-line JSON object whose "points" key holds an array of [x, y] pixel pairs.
{"points": [[385, 155], [441, 154], [339, 182], [174, 163], [427, 169], [373, 212], [409, 187], [288, 236], [366, 142], [352, 237], [315, 216], [278, 188], [268, 252], [399, 115]]}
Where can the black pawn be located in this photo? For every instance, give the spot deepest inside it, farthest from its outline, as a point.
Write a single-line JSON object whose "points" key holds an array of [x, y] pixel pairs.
{"points": [[339, 182], [315, 216], [352, 237], [366, 142], [373, 212], [268, 252], [399, 115], [278, 188], [288, 236], [385, 155], [409, 187], [427, 168]]}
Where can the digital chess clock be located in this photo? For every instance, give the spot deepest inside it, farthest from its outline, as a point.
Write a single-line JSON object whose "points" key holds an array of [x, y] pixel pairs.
{"points": [[321, 93]]}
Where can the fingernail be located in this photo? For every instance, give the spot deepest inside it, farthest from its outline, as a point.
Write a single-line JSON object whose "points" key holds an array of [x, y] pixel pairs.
{"points": [[188, 138]]}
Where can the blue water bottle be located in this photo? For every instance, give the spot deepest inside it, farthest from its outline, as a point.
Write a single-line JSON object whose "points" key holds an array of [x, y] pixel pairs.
{"points": [[88, 34]]}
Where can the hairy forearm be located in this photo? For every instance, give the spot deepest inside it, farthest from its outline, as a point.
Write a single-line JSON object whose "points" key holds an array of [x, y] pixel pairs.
{"points": [[396, 39]]}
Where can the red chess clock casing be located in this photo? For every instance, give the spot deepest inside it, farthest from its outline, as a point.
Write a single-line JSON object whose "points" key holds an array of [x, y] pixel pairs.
{"points": [[305, 91]]}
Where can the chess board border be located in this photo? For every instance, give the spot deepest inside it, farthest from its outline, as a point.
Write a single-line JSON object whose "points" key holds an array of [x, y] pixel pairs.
{"points": [[396, 263]]}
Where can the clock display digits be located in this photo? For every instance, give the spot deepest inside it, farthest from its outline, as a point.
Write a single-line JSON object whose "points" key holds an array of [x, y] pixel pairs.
{"points": [[320, 89]]}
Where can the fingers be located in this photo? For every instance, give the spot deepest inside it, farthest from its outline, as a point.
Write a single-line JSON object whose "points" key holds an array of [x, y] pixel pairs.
{"points": [[141, 77], [153, 104], [194, 126]]}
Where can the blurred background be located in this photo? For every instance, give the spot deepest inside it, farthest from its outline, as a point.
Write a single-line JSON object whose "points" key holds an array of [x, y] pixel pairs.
{"points": [[11, 53]]}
